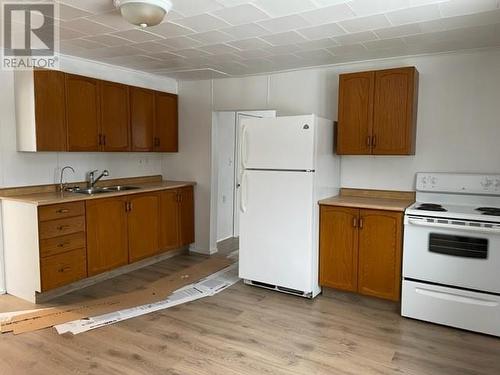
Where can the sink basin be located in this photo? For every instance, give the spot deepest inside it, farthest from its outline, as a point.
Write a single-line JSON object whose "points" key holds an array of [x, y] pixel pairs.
{"points": [[102, 190], [119, 188]]}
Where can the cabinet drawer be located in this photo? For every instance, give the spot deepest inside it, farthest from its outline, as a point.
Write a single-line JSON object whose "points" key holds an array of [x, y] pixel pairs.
{"points": [[58, 245], [62, 269], [56, 228], [60, 211]]}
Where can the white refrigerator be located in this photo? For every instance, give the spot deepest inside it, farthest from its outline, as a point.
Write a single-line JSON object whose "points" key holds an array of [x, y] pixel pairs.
{"points": [[288, 164]]}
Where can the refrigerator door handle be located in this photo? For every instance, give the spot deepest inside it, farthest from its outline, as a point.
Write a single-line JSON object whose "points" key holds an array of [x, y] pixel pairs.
{"points": [[244, 150], [243, 192]]}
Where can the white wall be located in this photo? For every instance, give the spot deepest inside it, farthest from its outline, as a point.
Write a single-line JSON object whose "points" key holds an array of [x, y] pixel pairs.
{"points": [[458, 114], [19, 169]]}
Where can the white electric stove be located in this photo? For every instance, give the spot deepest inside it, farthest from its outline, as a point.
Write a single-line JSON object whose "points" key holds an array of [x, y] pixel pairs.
{"points": [[451, 254]]}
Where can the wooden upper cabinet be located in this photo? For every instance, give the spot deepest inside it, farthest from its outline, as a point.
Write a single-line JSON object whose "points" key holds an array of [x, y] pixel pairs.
{"points": [[143, 225], [142, 118], [378, 112], [50, 110], [395, 105], [107, 234], [169, 220], [115, 117], [380, 242], [356, 93], [186, 216], [338, 247], [82, 113], [166, 123]]}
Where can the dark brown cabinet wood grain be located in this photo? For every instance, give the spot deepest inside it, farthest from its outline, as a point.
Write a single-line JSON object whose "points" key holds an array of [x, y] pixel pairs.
{"points": [[166, 128], [142, 118], [115, 117], [143, 225], [82, 113], [50, 110], [378, 112], [360, 250]]}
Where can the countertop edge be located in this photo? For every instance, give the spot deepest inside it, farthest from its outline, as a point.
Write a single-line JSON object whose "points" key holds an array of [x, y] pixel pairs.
{"points": [[367, 203]]}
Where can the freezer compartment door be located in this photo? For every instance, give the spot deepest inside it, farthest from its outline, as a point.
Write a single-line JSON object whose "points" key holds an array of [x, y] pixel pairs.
{"points": [[276, 223], [278, 143]]}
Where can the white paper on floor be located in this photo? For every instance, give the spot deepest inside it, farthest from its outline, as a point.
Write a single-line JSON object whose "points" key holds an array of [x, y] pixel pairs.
{"points": [[208, 286]]}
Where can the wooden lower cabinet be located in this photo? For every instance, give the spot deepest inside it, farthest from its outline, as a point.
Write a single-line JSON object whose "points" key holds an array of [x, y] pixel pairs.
{"points": [[186, 213], [107, 234], [143, 225], [360, 250]]}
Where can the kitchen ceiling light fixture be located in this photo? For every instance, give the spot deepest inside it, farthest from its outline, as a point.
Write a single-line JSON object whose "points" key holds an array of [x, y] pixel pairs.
{"points": [[143, 13]]}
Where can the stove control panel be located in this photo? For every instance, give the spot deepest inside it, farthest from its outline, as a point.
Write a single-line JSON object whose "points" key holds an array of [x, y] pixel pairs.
{"points": [[459, 183]]}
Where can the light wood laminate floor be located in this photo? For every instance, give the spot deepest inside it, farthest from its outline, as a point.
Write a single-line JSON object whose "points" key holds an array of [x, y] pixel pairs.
{"points": [[245, 330]]}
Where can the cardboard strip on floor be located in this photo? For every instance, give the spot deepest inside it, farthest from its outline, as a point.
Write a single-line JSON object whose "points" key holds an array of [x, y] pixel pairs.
{"points": [[154, 292]]}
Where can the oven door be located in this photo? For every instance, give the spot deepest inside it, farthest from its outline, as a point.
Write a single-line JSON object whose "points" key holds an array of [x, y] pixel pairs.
{"points": [[452, 253]]}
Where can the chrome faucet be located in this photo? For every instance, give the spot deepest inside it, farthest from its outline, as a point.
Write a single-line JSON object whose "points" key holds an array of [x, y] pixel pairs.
{"points": [[62, 184], [91, 181]]}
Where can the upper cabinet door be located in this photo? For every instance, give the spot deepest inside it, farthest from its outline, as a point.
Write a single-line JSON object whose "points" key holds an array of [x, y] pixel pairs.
{"points": [[142, 117], [356, 93], [50, 111], [166, 124], [395, 107], [115, 117], [82, 113]]}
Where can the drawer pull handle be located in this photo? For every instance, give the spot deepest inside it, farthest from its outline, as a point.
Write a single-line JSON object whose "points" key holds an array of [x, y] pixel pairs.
{"points": [[62, 211], [62, 227], [64, 269], [62, 244]]}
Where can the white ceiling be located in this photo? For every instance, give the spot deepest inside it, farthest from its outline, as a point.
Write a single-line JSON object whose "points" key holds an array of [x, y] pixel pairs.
{"points": [[203, 39]]}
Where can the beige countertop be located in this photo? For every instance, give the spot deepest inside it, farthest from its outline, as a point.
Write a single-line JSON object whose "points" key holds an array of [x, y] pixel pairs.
{"points": [[43, 198], [371, 199]]}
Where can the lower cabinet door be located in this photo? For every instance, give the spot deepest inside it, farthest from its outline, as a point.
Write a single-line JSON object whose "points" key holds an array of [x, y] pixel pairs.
{"points": [[338, 247], [143, 225], [186, 216], [107, 244], [169, 220], [380, 243]]}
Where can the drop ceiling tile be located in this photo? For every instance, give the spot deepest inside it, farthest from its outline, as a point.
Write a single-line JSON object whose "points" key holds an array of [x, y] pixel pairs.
{"points": [[194, 7], [368, 7], [245, 31], [353, 49], [66, 34], [108, 40], [232, 3], [385, 44], [87, 27], [224, 57], [202, 22], [277, 8], [365, 23], [192, 52], [169, 30], [81, 43], [281, 24], [109, 52], [67, 12], [150, 46], [219, 49], [397, 31], [112, 19], [317, 44], [328, 15], [136, 35], [319, 54], [288, 37], [212, 37], [322, 31], [283, 50], [92, 6], [253, 54], [196, 75], [326, 3], [251, 43], [416, 14], [460, 7], [180, 42], [354, 38], [164, 56], [242, 14]]}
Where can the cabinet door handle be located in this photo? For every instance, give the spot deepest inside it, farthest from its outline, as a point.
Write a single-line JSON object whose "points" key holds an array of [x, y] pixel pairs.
{"points": [[62, 244], [130, 207], [62, 211], [64, 269], [62, 227], [360, 223], [104, 139], [100, 139], [126, 206], [368, 141], [374, 141], [354, 222]]}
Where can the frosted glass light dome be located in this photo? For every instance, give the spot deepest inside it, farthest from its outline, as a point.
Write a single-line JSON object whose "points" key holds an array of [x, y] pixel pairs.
{"points": [[144, 13]]}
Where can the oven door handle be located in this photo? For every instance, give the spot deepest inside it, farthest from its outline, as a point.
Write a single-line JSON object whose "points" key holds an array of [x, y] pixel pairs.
{"points": [[454, 227]]}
